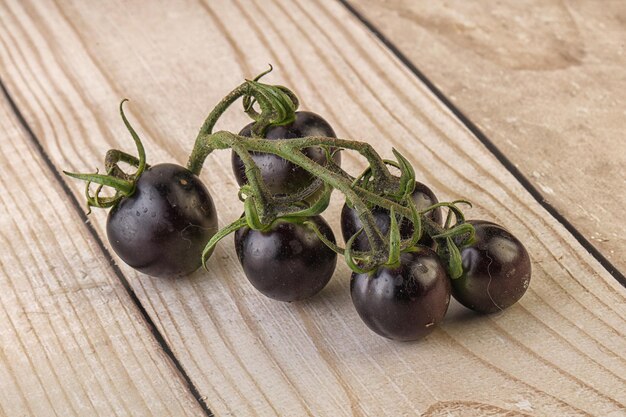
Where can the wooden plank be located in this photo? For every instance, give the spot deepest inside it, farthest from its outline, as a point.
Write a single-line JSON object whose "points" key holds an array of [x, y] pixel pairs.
{"points": [[544, 80], [72, 343], [558, 352]]}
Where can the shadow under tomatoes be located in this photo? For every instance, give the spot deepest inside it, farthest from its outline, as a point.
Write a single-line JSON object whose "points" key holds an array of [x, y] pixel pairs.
{"points": [[288, 262], [163, 227]]}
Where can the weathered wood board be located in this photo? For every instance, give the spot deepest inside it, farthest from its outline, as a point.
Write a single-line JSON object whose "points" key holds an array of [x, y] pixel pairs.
{"points": [[545, 81], [560, 351], [72, 343]]}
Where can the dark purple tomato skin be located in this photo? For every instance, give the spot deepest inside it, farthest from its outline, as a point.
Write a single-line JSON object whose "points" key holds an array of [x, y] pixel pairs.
{"points": [[281, 176], [496, 270], [288, 262], [162, 228], [407, 302], [423, 198]]}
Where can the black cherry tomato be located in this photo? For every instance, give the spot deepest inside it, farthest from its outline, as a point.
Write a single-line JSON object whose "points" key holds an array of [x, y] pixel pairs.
{"points": [[288, 262], [496, 270], [162, 228], [403, 303], [283, 177], [423, 198]]}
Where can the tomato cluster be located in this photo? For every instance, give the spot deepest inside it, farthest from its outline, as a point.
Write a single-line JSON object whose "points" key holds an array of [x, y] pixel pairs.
{"points": [[163, 222]]}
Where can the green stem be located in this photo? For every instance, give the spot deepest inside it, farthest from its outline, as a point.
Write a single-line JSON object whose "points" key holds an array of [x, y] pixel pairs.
{"points": [[257, 185], [338, 182], [377, 164], [285, 148], [201, 150], [278, 105], [289, 150]]}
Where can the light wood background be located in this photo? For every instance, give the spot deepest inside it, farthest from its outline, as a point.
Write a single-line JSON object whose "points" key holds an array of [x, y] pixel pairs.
{"points": [[81, 334], [545, 81]]}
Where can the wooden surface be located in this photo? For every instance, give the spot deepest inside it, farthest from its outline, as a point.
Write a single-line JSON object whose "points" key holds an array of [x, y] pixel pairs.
{"points": [[71, 341], [66, 65], [545, 81]]}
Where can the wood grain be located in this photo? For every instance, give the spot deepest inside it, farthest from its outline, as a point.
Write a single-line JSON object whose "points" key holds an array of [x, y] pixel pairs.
{"points": [[544, 80], [72, 343], [560, 351]]}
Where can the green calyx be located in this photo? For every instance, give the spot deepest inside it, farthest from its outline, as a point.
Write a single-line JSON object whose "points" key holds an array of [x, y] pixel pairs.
{"points": [[115, 177], [278, 105]]}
